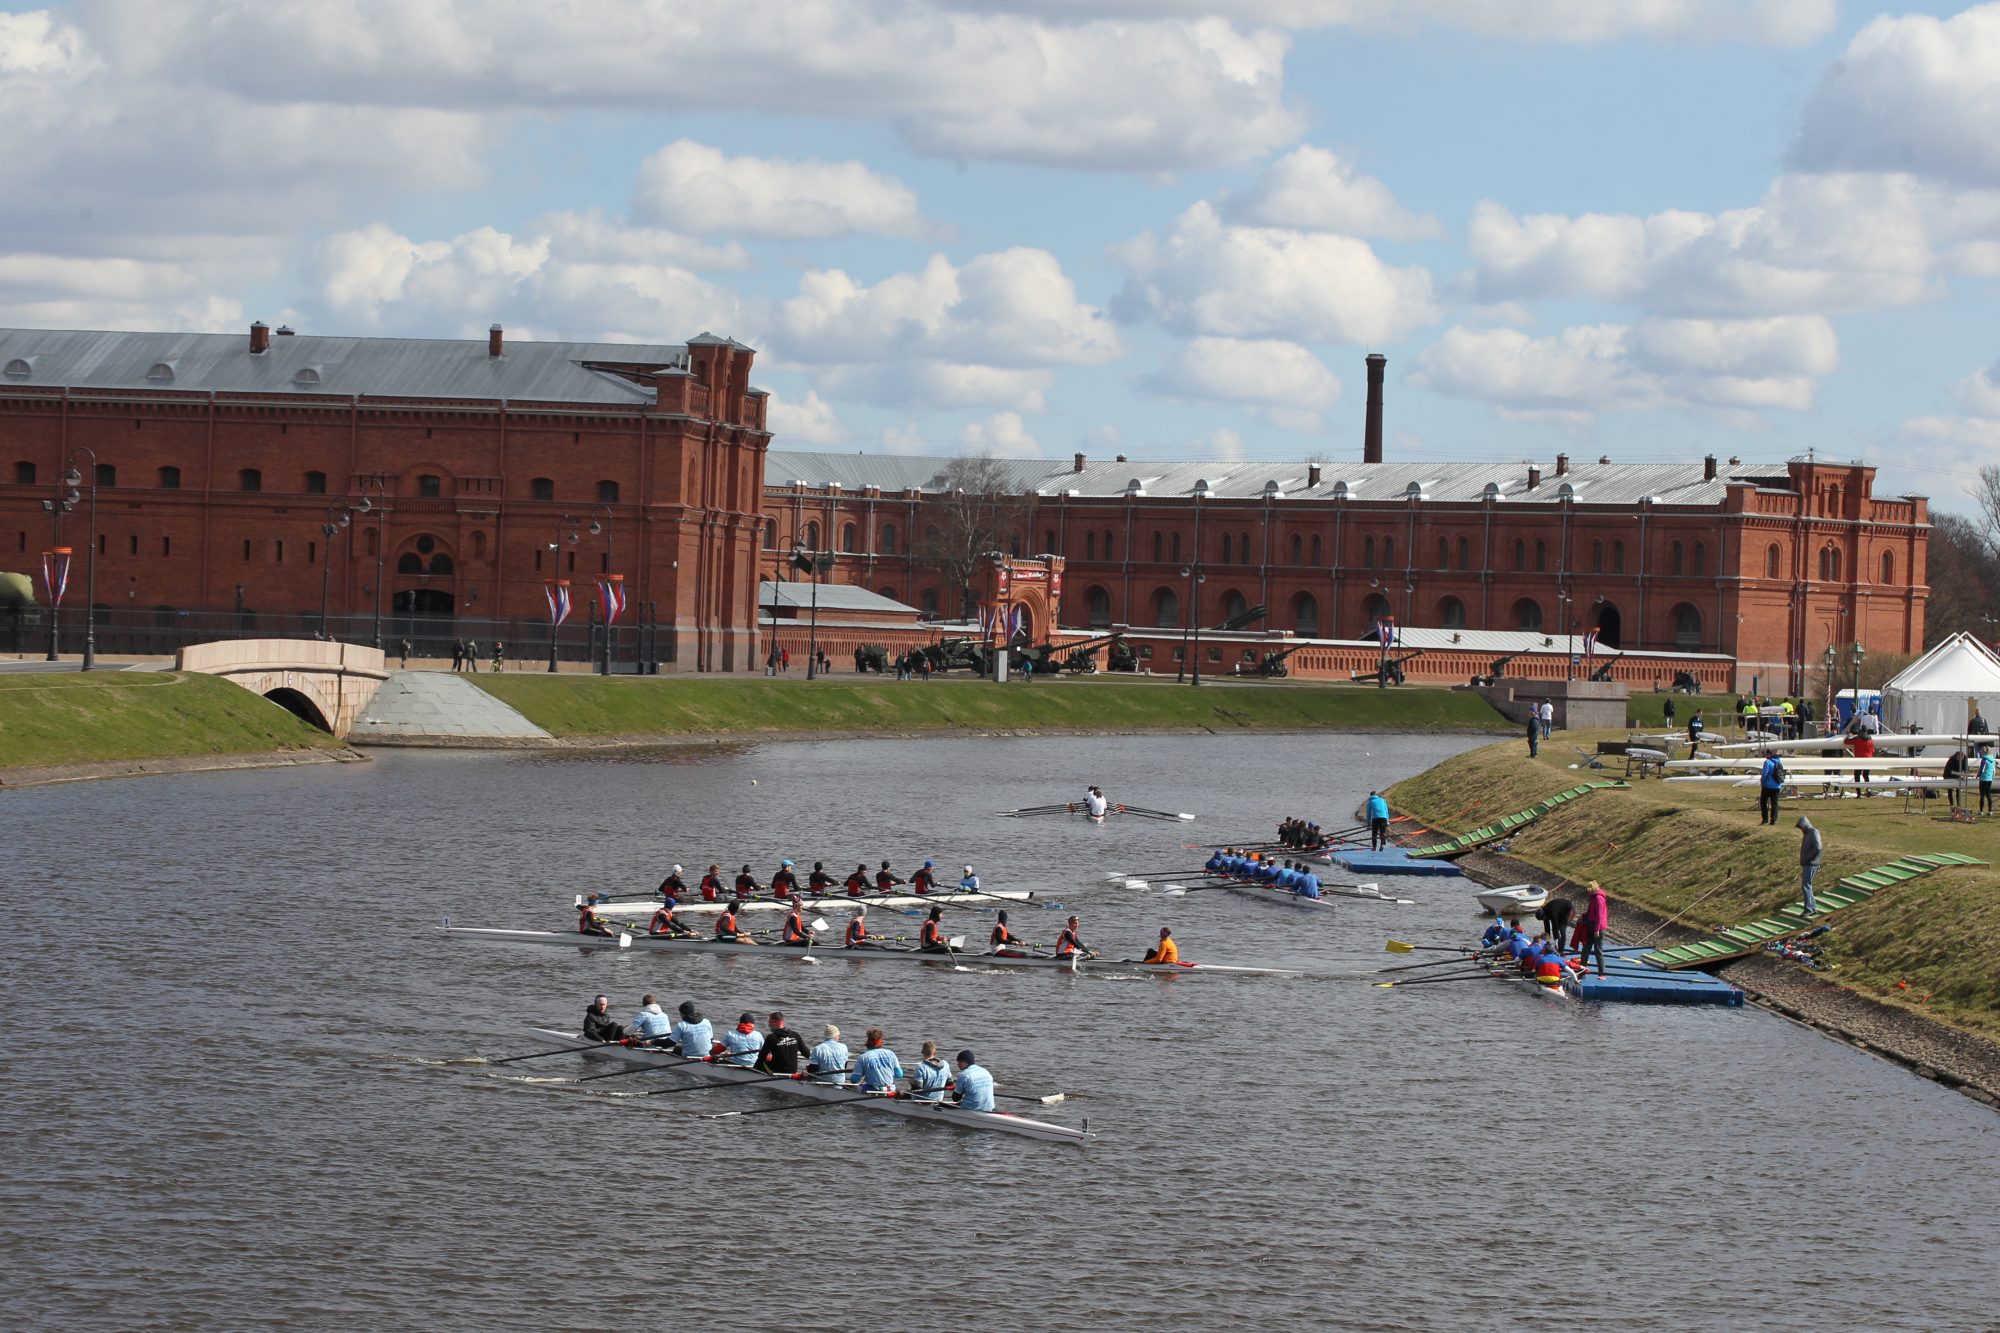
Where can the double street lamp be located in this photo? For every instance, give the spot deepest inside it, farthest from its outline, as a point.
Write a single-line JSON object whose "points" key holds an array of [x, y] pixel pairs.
{"points": [[363, 506], [68, 496], [330, 528]]}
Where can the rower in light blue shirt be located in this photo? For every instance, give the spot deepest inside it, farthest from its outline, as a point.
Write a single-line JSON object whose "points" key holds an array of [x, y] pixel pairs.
{"points": [[878, 1068], [1308, 884], [828, 1063], [649, 1024], [929, 1079], [969, 882], [974, 1086], [742, 1042], [693, 1034]]}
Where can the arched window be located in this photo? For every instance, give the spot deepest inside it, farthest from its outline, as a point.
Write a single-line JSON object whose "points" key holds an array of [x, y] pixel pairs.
{"points": [[429, 486], [607, 492], [847, 536], [1464, 553], [1108, 547], [1389, 552], [1597, 557], [1618, 557], [1233, 604], [1687, 626], [542, 488], [1242, 548], [1090, 545], [170, 478], [812, 536], [888, 539], [1701, 557], [1829, 564], [1444, 553], [249, 479], [1520, 554], [409, 562], [1097, 607], [1541, 556], [441, 564], [770, 534], [1528, 614], [1375, 608], [1305, 616], [887, 590], [1771, 558], [1297, 548], [1368, 552], [1675, 559], [1166, 608], [1888, 567], [1176, 545], [1451, 613], [24, 473], [1158, 546], [1316, 548]]}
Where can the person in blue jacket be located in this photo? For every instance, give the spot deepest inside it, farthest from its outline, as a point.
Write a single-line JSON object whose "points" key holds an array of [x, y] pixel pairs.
{"points": [[1308, 883], [1215, 860], [1378, 821], [1770, 782], [1495, 934]]}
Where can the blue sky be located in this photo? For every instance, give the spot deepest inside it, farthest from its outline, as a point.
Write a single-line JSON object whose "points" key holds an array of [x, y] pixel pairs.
{"points": [[1169, 228]]}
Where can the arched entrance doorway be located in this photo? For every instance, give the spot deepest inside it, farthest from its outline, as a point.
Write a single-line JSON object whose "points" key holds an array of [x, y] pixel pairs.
{"points": [[1610, 626]]}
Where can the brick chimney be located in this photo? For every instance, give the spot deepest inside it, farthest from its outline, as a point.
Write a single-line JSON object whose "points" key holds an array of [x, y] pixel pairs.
{"points": [[495, 341], [1604, 460], [1371, 431], [1562, 465], [1312, 475], [1708, 468], [1077, 466], [1121, 458], [260, 338], [1534, 476]]}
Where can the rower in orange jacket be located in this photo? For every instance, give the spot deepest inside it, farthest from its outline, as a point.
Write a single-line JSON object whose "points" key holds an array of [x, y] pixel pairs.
{"points": [[1164, 951]]}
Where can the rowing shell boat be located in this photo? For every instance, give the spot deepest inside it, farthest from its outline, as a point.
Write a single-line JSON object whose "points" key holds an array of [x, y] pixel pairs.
{"points": [[875, 954], [937, 1113], [644, 907]]}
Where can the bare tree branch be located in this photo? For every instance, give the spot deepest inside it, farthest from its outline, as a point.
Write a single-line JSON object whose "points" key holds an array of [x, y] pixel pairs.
{"points": [[973, 514]]}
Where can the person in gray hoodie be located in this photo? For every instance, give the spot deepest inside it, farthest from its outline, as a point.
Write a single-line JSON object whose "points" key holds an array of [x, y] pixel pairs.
{"points": [[1811, 848]]}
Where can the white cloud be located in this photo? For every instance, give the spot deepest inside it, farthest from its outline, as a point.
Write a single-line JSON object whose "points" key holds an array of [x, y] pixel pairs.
{"points": [[1912, 93], [1221, 444], [1313, 189], [1143, 94], [1002, 435], [1285, 379], [922, 383], [1978, 397], [1722, 365], [693, 188], [808, 420], [1206, 277]]}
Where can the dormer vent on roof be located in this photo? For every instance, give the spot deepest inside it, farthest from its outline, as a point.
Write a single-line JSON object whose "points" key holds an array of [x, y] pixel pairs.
{"points": [[1274, 489], [1202, 489], [1340, 490], [1134, 488], [307, 377], [161, 372], [19, 368], [1491, 491]]}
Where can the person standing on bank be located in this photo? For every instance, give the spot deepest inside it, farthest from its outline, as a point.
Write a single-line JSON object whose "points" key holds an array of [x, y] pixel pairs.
{"points": [[1811, 848], [1985, 781], [1534, 734], [457, 654], [1548, 712], [405, 646], [1590, 930], [1378, 822], [472, 656], [1769, 783]]}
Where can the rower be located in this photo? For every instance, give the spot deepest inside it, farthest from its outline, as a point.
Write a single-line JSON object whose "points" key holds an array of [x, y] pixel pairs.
{"points": [[878, 1068], [746, 884], [1165, 951], [794, 934], [1004, 941], [782, 1048], [857, 929], [1495, 934], [928, 1079], [1308, 882], [1267, 871], [1314, 839], [1214, 862], [1094, 802], [1070, 942], [1549, 968], [968, 882], [784, 881], [649, 1026], [725, 926], [857, 883], [586, 918], [711, 884], [973, 1088], [741, 1043], [693, 1034], [886, 879], [663, 923], [829, 1059], [819, 881], [931, 938], [599, 1025], [925, 879], [673, 886]]}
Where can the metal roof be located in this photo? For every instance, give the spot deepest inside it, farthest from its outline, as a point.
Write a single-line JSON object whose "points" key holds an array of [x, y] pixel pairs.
{"points": [[303, 364], [832, 597], [1460, 483]]}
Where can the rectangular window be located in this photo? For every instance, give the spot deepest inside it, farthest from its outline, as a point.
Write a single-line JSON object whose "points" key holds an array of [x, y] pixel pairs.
{"points": [[315, 483], [166, 547], [246, 548], [101, 539], [281, 552], [312, 553], [135, 545]]}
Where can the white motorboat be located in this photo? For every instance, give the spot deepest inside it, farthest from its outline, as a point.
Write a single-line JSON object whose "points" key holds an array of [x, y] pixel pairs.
{"points": [[1516, 900]]}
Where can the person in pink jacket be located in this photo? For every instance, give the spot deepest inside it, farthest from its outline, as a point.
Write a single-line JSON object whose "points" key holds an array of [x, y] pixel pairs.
{"points": [[1590, 930]]}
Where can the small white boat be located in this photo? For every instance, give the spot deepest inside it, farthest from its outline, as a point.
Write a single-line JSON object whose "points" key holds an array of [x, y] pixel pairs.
{"points": [[910, 1108], [1516, 900]]}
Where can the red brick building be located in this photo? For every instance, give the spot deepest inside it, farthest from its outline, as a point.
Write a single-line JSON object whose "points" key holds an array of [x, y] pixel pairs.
{"points": [[488, 469]]}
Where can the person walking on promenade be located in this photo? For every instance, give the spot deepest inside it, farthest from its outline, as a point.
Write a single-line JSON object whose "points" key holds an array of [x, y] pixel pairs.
{"points": [[1695, 729], [1590, 930], [472, 656], [1770, 782], [1985, 781], [1667, 711], [1811, 848], [1534, 735], [785, 661], [405, 645], [499, 655], [458, 654]]}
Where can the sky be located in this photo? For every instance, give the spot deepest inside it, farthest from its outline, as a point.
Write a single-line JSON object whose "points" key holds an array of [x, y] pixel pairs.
{"points": [[1647, 229]]}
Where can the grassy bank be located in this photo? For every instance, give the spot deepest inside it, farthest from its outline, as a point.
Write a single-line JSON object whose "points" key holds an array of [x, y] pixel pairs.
{"points": [[73, 718], [568, 705], [1699, 853]]}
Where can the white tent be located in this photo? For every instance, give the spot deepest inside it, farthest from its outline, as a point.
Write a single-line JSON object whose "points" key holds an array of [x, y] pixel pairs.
{"points": [[1940, 691]]}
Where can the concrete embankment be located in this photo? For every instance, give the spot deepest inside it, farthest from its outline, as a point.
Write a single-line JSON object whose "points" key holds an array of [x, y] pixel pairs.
{"points": [[1909, 971]]}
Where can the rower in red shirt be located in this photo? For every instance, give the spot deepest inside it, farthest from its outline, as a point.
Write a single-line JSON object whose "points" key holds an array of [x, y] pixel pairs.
{"points": [[931, 938], [795, 935], [663, 923], [857, 883], [711, 884], [586, 918], [784, 881], [725, 926], [886, 879], [1004, 941], [857, 929], [1071, 942], [819, 881], [746, 884], [924, 881]]}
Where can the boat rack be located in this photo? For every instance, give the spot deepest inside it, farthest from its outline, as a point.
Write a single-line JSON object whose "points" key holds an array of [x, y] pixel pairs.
{"points": [[1503, 827]]}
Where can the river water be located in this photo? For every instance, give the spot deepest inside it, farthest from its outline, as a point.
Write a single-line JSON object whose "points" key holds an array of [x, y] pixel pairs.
{"points": [[228, 1103]]}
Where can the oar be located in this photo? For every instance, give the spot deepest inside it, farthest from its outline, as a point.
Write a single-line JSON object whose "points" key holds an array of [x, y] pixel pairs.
{"points": [[1435, 981], [1404, 946], [640, 1069], [541, 1055], [1156, 814], [798, 1106], [1435, 962]]}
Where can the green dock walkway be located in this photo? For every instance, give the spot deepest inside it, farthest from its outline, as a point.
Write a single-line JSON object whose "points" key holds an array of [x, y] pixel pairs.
{"points": [[1502, 827], [1736, 941]]}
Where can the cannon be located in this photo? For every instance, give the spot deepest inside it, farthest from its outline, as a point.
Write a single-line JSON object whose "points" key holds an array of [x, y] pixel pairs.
{"points": [[1243, 619], [871, 657], [1495, 670], [1391, 670], [958, 654], [1273, 664], [1081, 657]]}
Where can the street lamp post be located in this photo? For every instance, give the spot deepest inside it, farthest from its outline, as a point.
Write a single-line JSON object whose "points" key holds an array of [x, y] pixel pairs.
{"points": [[610, 561], [1858, 655], [814, 563], [381, 512], [56, 508], [330, 528], [73, 480], [555, 560]]}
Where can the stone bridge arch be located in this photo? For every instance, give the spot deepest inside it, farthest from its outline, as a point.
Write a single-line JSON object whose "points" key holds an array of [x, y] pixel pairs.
{"points": [[325, 684]]}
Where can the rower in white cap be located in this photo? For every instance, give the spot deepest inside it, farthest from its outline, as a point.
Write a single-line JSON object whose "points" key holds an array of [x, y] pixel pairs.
{"points": [[969, 882]]}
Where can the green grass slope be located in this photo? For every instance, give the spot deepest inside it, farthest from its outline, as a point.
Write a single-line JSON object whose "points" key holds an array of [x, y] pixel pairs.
{"points": [[72, 718]]}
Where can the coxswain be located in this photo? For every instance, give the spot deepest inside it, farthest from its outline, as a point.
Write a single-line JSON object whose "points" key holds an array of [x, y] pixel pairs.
{"points": [[1004, 941], [1070, 941], [877, 1068], [711, 884], [1495, 934], [725, 926], [586, 918], [783, 881], [649, 1026], [857, 883], [931, 938], [673, 886], [1094, 803], [599, 1025], [746, 884], [663, 922], [930, 1076], [925, 878], [886, 879], [973, 1088], [857, 929], [693, 1035], [968, 882], [819, 881], [1165, 951], [793, 934], [741, 1044], [783, 1048], [828, 1063]]}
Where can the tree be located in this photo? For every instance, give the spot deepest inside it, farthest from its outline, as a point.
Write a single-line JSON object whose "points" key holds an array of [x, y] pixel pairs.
{"points": [[973, 515], [1964, 569]]}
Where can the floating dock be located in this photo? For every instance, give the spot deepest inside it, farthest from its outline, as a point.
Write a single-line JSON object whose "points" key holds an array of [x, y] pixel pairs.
{"points": [[1394, 861], [1626, 980]]}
